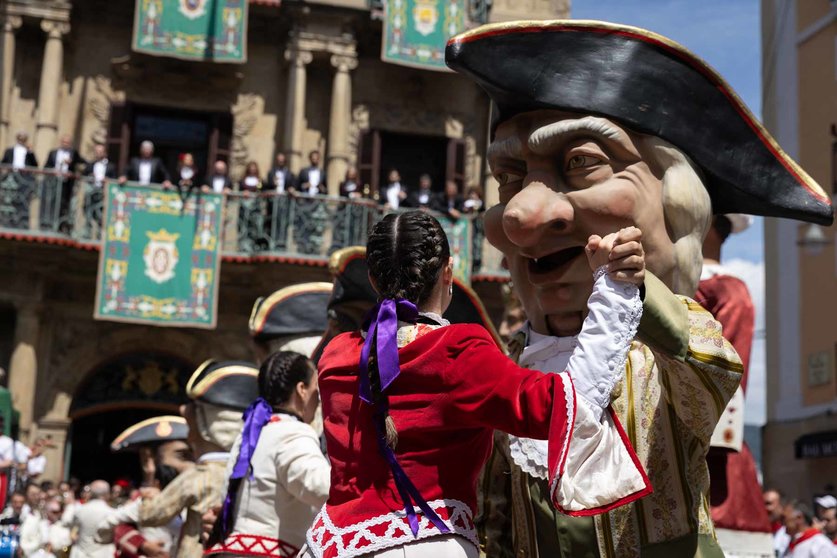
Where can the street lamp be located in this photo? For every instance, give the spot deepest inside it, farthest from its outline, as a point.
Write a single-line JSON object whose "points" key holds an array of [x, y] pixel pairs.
{"points": [[814, 240]]}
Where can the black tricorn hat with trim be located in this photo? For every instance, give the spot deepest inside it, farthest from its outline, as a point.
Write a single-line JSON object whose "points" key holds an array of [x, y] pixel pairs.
{"points": [[155, 430], [651, 85], [229, 383], [294, 310]]}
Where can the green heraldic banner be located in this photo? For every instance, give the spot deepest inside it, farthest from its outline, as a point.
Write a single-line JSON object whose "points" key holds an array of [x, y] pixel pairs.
{"points": [[416, 31], [160, 258], [212, 30]]}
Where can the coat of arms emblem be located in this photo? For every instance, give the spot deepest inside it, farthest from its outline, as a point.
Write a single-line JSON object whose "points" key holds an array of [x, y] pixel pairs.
{"points": [[425, 16], [193, 9], [160, 255]]}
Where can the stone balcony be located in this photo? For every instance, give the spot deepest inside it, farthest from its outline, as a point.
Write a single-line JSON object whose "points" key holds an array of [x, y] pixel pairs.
{"points": [[257, 227]]}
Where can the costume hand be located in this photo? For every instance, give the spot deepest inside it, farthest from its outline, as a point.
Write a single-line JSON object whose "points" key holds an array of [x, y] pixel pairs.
{"points": [[627, 257], [149, 491], [208, 522]]}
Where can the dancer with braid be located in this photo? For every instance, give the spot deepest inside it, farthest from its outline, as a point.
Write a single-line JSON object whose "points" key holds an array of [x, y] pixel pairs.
{"points": [[279, 476], [411, 403]]}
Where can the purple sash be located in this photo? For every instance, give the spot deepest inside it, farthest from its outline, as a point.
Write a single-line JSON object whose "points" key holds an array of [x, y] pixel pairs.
{"points": [[383, 328]]}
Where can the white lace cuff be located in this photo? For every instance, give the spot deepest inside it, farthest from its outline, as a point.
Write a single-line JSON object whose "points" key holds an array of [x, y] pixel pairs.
{"points": [[598, 361]]}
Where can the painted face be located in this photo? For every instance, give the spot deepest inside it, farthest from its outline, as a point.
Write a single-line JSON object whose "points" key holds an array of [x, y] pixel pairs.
{"points": [[175, 454], [563, 177]]}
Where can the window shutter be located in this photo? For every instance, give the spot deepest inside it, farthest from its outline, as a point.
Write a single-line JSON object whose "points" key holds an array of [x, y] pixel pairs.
{"points": [[456, 163]]}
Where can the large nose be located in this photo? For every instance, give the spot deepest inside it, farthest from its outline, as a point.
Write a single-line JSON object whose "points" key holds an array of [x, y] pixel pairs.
{"points": [[535, 211]]}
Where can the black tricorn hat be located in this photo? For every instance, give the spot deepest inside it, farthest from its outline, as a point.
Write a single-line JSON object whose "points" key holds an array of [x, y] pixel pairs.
{"points": [[293, 310], [650, 84], [155, 430], [351, 278], [229, 383]]}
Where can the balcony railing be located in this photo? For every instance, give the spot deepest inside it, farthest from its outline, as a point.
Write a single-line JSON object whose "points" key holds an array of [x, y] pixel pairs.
{"points": [[67, 207]]}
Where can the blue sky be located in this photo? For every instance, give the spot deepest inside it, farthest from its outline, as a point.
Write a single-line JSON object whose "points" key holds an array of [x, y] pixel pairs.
{"points": [[727, 35]]}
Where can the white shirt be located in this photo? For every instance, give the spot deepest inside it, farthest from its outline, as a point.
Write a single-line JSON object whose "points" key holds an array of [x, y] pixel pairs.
{"points": [[36, 465], [393, 192], [291, 479], [314, 176], [313, 190], [584, 356], [19, 159], [279, 181], [424, 197], [7, 448], [62, 160], [145, 172], [186, 173], [817, 546], [22, 452], [87, 518], [218, 184], [252, 182], [100, 169]]}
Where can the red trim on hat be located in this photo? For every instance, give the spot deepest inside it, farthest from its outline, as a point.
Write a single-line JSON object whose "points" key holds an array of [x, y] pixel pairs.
{"points": [[691, 61]]}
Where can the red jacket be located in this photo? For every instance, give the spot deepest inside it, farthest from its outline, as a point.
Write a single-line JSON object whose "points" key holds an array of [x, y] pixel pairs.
{"points": [[455, 388]]}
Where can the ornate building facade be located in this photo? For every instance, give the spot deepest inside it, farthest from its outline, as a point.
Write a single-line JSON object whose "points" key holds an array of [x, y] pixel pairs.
{"points": [[313, 80]]}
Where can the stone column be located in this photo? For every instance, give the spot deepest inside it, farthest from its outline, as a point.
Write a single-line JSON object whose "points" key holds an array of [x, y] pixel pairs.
{"points": [[10, 25], [295, 106], [339, 121], [52, 71], [23, 366]]}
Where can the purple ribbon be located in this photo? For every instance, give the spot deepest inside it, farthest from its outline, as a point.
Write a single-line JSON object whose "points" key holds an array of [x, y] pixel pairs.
{"points": [[383, 328], [255, 417]]}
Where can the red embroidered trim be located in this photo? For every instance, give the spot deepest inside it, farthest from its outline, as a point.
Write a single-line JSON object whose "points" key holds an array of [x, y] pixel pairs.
{"points": [[241, 544]]}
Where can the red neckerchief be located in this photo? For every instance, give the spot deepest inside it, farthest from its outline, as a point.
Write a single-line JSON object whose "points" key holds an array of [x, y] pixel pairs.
{"points": [[776, 525], [807, 534]]}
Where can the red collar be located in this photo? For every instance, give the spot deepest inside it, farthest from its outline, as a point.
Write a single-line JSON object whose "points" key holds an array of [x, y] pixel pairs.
{"points": [[776, 525], [807, 534]]}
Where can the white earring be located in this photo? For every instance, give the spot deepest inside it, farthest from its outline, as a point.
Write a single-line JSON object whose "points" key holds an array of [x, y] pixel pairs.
{"points": [[450, 289]]}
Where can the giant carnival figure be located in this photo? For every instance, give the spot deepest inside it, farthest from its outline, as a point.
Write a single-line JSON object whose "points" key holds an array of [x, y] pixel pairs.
{"points": [[595, 127]]}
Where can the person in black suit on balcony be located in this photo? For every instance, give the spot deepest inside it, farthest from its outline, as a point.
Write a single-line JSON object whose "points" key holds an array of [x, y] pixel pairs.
{"points": [[64, 160], [424, 197], [19, 155], [312, 179], [450, 203], [98, 172], [147, 169]]}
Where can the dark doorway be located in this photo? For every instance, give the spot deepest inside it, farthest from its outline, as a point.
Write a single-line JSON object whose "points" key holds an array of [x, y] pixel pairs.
{"points": [[117, 394], [413, 156], [90, 456], [206, 135]]}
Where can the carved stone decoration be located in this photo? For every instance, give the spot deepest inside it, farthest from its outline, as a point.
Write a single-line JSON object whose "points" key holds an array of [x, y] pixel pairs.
{"points": [[100, 98], [245, 114], [359, 124]]}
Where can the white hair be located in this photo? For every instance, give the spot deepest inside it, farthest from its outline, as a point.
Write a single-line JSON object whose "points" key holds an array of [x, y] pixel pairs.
{"points": [[687, 209]]}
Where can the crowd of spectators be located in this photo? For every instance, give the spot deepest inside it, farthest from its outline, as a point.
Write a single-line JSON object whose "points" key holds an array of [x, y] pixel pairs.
{"points": [[800, 531], [262, 217], [61, 520]]}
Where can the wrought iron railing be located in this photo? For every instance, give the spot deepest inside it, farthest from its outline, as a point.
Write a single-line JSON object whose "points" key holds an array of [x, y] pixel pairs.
{"points": [[45, 203]]}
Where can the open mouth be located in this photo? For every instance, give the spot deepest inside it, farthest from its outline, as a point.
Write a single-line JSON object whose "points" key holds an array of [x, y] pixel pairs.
{"points": [[555, 260]]}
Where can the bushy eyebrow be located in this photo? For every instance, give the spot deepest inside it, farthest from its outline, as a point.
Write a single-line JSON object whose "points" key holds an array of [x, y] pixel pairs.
{"points": [[545, 139], [509, 148]]}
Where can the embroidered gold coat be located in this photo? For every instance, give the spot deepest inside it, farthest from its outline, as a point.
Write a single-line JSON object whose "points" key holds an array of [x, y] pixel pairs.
{"points": [[679, 376]]}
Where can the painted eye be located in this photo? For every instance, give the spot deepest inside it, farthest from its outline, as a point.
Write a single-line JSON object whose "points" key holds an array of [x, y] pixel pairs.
{"points": [[581, 161], [506, 177]]}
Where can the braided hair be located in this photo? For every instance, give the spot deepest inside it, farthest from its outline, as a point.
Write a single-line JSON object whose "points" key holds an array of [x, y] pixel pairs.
{"points": [[278, 377], [280, 373], [406, 253]]}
